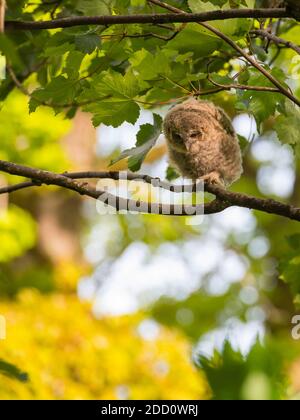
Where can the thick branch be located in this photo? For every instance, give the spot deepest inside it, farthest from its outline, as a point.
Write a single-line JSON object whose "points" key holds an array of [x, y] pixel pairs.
{"points": [[266, 205], [224, 198], [148, 18], [40, 177]]}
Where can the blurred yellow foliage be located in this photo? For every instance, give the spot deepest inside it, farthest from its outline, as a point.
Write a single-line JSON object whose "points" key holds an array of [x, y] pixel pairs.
{"points": [[68, 354], [17, 232]]}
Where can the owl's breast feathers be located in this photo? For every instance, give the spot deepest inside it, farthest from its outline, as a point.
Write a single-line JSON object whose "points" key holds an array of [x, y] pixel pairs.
{"points": [[201, 140]]}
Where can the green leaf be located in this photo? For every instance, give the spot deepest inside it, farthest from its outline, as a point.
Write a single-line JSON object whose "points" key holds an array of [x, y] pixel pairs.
{"points": [[87, 43], [116, 98], [114, 112], [195, 39], [113, 83], [171, 174], [234, 28], [223, 80], [146, 139], [294, 241], [58, 50], [73, 63], [9, 49], [12, 371], [150, 65], [262, 105], [243, 78], [244, 144], [289, 267], [94, 7], [287, 125], [138, 3], [256, 376], [59, 91]]}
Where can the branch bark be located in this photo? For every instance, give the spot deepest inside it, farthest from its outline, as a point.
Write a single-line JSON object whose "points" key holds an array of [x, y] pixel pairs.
{"points": [[40, 177], [242, 87], [148, 18], [224, 198], [276, 39]]}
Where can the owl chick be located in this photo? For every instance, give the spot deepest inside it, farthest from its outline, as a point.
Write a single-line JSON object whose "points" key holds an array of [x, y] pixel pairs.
{"points": [[202, 143]]}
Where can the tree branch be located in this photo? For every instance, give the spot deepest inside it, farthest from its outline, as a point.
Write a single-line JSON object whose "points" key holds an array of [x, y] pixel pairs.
{"points": [[40, 177], [148, 18], [230, 42], [224, 198], [277, 40], [177, 15], [242, 87]]}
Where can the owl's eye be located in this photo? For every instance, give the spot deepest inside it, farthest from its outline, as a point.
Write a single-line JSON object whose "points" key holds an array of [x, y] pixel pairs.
{"points": [[195, 134], [177, 138]]}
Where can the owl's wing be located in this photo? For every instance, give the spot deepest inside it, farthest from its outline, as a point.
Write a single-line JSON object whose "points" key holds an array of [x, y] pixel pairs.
{"points": [[225, 121], [229, 142]]}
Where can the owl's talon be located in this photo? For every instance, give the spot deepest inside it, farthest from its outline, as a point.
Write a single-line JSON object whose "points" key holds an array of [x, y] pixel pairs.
{"points": [[213, 178]]}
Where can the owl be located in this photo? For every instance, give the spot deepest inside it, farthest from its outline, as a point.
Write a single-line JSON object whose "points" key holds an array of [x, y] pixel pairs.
{"points": [[202, 143]]}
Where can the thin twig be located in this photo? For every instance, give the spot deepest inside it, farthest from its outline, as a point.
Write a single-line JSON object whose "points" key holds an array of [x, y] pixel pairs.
{"points": [[16, 81], [276, 39], [230, 42], [242, 87]]}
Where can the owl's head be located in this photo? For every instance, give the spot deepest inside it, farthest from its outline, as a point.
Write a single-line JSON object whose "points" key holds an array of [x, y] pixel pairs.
{"points": [[185, 124]]}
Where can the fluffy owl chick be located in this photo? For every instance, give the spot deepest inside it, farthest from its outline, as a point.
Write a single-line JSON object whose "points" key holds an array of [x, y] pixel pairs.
{"points": [[202, 143]]}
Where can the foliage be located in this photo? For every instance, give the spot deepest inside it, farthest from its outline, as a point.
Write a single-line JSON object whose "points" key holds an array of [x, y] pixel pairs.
{"points": [[12, 222], [12, 371], [146, 139], [56, 348], [290, 265], [257, 376], [112, 72], [94, 359]]}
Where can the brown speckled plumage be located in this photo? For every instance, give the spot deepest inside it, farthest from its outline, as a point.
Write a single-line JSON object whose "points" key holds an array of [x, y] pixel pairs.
{"points": [[202, 142]]}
